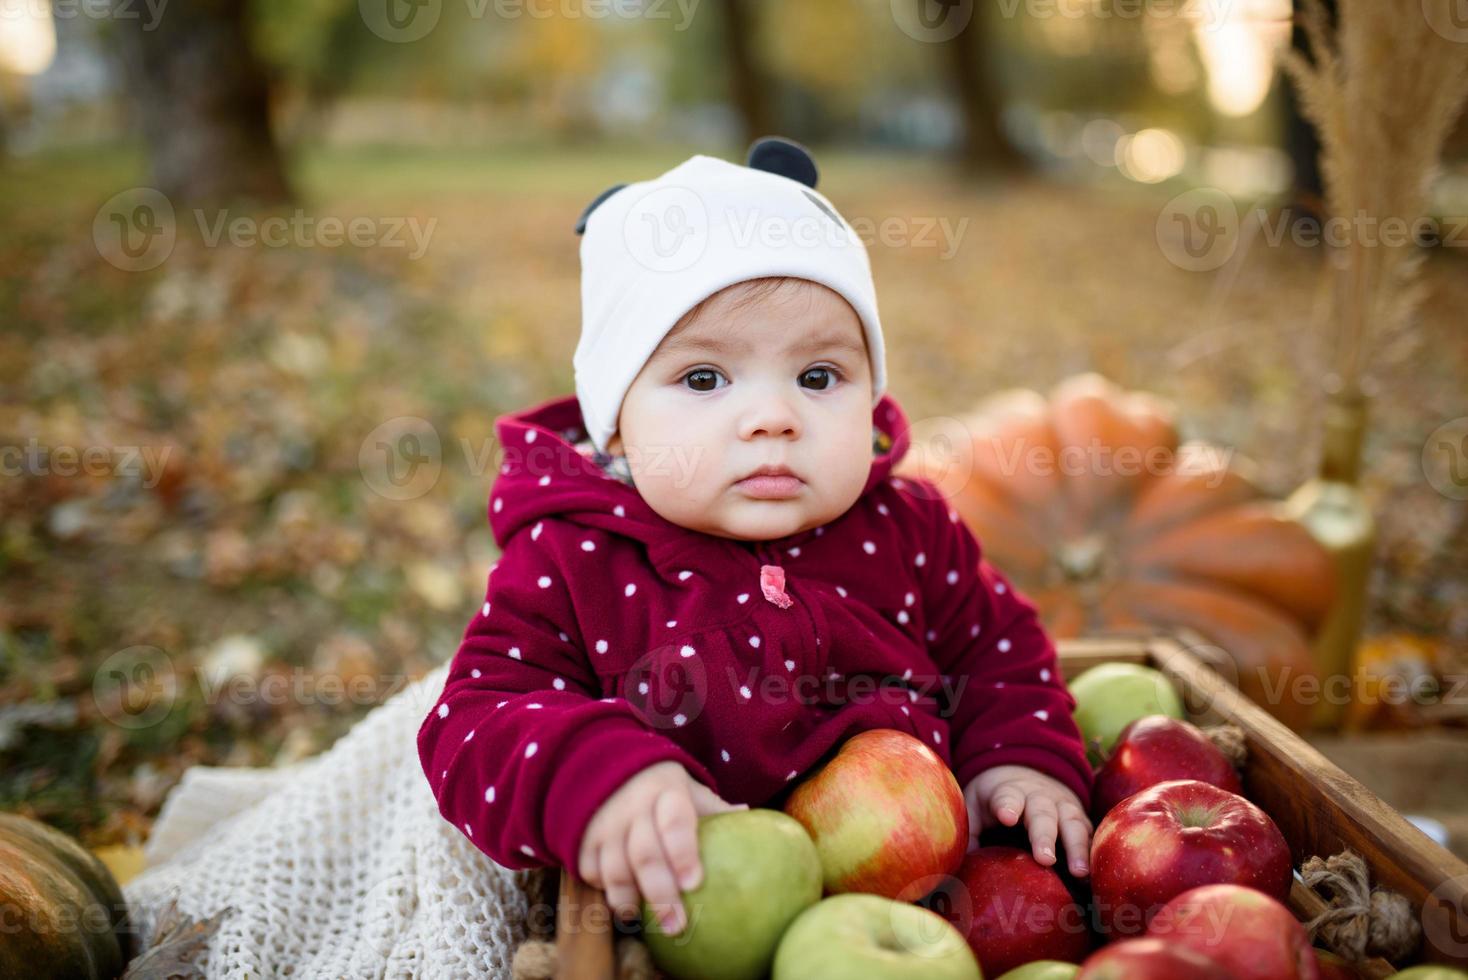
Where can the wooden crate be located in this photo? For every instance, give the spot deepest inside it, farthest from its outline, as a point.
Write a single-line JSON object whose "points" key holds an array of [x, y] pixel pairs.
{"points": [[1320, 809]]}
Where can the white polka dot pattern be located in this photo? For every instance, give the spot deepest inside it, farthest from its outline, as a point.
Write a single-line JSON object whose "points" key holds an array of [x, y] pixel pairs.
{"points": [[899, 587]]}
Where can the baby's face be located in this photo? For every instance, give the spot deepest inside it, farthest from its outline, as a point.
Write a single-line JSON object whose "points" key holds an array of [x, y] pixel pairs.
{"points": [[783, 380]]}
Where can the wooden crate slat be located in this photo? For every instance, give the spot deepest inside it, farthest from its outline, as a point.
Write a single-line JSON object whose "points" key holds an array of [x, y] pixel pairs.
{"points": [[1083, 653], [584, 933], [1323, 810]]}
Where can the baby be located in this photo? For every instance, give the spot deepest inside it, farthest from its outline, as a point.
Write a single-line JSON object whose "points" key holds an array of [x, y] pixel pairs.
{"points": [[710, 577]]}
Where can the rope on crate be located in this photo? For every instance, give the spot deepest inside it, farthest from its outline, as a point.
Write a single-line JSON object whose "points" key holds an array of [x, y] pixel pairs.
{"points": [[534, 960], [1361, 921], [1229, 739]]}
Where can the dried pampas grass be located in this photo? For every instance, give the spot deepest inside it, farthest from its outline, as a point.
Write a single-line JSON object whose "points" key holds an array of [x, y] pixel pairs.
{"points": [[1383, 89]]}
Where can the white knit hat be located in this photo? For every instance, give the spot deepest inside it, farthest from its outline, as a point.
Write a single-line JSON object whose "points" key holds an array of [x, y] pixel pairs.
{"points": [[653, 250]]}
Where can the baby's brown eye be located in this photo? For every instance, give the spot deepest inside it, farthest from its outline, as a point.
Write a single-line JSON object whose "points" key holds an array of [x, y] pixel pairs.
{"points": [[702, 379], [824, 378]]}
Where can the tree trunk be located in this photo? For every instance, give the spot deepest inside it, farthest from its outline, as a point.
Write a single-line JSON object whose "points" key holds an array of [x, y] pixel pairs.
{"points": [[983, 146], [748, 89], [201, 101]]}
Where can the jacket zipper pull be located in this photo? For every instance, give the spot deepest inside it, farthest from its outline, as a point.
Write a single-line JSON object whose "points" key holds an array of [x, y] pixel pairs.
{"points": [[772, 584]]}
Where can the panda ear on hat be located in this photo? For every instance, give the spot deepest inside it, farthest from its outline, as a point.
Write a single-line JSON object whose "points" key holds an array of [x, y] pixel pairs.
{"points": [[772, 154], [581, 221], [777, 155]]}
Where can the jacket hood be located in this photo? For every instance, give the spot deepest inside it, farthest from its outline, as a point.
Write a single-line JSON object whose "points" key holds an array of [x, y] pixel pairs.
{"points": [[543, 474]]}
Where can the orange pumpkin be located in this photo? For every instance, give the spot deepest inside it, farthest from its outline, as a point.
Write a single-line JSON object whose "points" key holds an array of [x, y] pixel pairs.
{"points": [[1089, 504], [1396, 678]]}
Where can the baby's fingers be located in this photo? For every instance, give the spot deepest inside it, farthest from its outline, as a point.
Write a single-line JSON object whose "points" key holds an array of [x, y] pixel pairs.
{"points": [[1041, 819], [1075, 830], [1008, 803], [677, 824], [617, 879], [654, 875]]}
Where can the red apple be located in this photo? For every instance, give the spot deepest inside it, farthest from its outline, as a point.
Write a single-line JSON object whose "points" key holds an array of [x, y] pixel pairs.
{"points": [[1177, 835], [884, 812], [1242, 929], [1154, 749], [1013, 910], [1149, 959]]}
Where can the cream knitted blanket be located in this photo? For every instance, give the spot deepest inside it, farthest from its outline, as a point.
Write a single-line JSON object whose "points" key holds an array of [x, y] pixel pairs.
{"points": [[339, 866]]}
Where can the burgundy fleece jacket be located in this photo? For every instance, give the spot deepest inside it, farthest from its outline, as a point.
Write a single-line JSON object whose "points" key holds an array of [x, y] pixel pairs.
{"points": [[611, 638]]}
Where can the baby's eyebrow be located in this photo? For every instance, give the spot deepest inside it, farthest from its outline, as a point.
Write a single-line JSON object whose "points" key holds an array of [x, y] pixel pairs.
{"points": [[837, 341], [685, 345]]}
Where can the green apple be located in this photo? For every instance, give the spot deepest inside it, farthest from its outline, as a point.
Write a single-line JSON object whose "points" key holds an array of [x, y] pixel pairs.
{"points": [[760, 870], [1431, 973], [1111, 696], [1043, 970], [857, 936]]}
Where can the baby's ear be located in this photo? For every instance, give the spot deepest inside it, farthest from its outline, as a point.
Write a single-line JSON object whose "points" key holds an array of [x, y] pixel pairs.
{"points": [[581, 222], [777, 155]]}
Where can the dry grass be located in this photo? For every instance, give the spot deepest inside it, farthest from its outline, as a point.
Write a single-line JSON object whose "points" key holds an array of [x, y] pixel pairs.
{"points": [[1383, 89]]}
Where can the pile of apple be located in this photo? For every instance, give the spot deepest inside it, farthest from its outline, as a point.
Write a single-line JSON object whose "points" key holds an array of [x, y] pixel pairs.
{"points": [[1188, 878], [879, 819]]}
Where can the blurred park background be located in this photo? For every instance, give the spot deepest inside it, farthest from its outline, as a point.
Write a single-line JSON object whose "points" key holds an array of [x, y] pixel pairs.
{"points": [[241, 241]]}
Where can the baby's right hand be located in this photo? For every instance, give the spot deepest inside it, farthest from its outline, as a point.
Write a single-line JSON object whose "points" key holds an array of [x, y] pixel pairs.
{"points": [[644, 840]]}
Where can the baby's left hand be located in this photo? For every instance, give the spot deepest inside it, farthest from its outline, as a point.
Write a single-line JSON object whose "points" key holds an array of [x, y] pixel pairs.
{"points": [[1004, 793]]}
